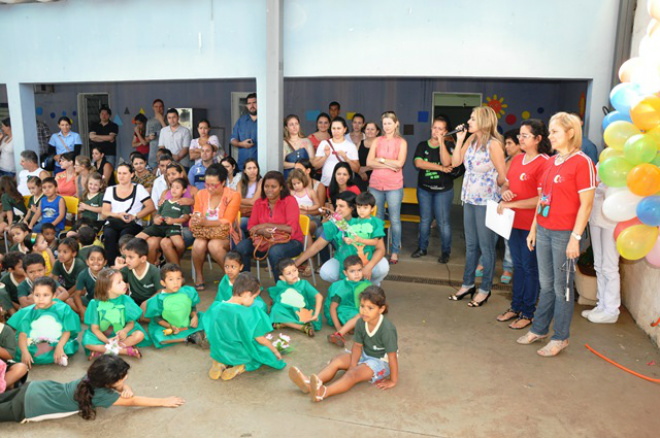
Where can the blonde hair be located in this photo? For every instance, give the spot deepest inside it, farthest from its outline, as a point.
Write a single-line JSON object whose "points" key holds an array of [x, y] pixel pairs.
{"points": [[300, 176], [486, 120], [288, 118], [569, 122], [392, 116], [97, 176]]}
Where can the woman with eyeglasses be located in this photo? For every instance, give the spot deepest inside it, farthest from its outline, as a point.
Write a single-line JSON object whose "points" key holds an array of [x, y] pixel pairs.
{"points": [[66, 180], [215, 206], [566, 198], [520, 193]]}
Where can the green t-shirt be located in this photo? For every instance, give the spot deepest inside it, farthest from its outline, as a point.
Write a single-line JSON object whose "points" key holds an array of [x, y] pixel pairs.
{"points": [[47, 398], [25, 288], [9, 203], [145, 287], [68, 278], [11, 286], [86, 282], [173, 210], [33, 201], [94, 201], [8, 339], [377, 344], [369, 228]]}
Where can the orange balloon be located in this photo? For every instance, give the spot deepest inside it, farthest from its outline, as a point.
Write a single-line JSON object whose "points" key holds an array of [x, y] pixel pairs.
{"points": [[646, 114], [644, 179], [629, 67]]}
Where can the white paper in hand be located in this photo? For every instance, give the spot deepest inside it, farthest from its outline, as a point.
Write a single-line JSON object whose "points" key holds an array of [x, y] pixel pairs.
{"points": [[500, 223]]}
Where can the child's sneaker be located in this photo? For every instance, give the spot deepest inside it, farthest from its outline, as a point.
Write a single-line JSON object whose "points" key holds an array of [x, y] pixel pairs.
{"points": [[337, 339]]}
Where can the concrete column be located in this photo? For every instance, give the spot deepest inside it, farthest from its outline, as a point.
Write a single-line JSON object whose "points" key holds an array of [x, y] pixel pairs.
{"points": [[270, 118], [20, 98]]}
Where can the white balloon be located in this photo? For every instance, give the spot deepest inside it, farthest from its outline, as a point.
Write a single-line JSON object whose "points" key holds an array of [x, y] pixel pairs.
{"points": [[646, 76], [612, 190], [621, 206]]}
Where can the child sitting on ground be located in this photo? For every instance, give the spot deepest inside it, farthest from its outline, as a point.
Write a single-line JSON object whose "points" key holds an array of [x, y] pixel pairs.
{"points": [[50, 234], [13, 372], [296, 304], [68, 266], [87, 240], [36, 244], [112, 317], [169, 221], [236, 332], [86, 281], [48, 329], [233, 267], [34, 185], [373, 356], [142, 277], [173, 312], [341, 305], [120, 261], [35, 267], [14, 276], [18, 233], [52, 208]]}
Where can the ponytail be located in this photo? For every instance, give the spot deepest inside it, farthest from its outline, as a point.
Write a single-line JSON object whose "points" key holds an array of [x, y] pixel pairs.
{"points": [[104, 372]]}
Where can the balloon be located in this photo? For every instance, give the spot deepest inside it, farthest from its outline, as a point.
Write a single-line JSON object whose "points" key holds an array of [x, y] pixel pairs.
{"points": [[612, 190], [653, 8], [646, 114], [617, 133], [644, 180], [653, 27], [624, 96], [626, 224], [614, 171], [609, 153], [653, 257], [656, 160], [621, 206], [637, 241], [646, 75], [639, 149], [655, 134], [649, 46], [648, 211], [613, 116], [628, 68]]}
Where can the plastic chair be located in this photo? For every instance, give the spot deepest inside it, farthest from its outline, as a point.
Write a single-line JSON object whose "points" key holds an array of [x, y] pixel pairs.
{"points": [[71, 203]]}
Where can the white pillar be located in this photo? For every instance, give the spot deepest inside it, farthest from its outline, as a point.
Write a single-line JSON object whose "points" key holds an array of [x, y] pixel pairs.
{"points": [[20, 98]]}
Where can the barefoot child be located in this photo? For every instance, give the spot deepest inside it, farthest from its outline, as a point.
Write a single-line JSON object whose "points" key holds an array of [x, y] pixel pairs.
{"points": [[14, 372], [233, 267], [48, 329], [236, 328], [14, 276], [35, 267], [52, 208], [113, 316], [296, 303], [341, 305], [68, 266], [86, 281], [173, 312], [142, 277], [373, 357]]}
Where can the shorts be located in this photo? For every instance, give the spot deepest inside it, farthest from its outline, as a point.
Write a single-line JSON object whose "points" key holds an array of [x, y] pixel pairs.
{"points": [[162, 230], [380, 368]]}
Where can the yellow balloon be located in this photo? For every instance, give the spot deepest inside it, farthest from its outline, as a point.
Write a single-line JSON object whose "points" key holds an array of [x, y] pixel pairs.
{"points": [[646, 114], [618, 132], [609, 153], [655, 133], [636, 241]]}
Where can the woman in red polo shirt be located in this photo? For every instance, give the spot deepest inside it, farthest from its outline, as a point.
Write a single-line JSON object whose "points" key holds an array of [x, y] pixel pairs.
{"points": [[567, 190], [276, 210], [520, 193]]}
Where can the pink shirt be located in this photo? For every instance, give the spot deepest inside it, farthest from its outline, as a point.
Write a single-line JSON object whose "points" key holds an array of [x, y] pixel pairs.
{"points": [[387, 179]]}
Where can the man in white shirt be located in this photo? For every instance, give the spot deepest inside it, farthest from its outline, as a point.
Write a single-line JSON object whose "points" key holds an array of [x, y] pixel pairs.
{"points": [[160, 184], [175, 138], [29, 162]]}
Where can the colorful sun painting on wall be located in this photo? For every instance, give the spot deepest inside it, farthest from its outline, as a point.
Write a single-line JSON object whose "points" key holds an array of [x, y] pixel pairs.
{"points": [[497, 104]]}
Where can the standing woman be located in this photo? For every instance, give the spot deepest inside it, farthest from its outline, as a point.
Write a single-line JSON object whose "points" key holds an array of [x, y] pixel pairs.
{"points": [[357, 134], [566, 199], [520, 193], [250, 190], [296, 145], [64, 141], [7, 165], [387, 157], [195, 151], [66, 180], [103, 166], [334, 150], [322, 127], [371, 132], [83, 167], [485, 172], [233, 177]]}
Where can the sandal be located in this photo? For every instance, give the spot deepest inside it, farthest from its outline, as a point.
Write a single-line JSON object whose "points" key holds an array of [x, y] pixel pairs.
{"points": [[530, 338], [506, 277], [216, 370], [199, 287], [553, 348], [298, 378], [133, 352], [93, 355], [232, 372], [306, 271], [337, 339], [393, 261], [277, 326], [520, 323], [508, 315], [315, 386], [308, 329]]}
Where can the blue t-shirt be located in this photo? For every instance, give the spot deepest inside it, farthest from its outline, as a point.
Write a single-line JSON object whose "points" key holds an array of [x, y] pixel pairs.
{"points": [[590, 149], [50, 210], [71, 140], [245, 128]]}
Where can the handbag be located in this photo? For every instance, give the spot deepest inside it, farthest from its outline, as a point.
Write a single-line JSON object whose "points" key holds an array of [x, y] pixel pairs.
{"points": [[117, 223], [262, 243], [210, 233]]}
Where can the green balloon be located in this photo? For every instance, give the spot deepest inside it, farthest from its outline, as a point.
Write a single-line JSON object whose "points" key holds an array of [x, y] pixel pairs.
{"points": [[640, 149], [614, 171], [656, 160]]}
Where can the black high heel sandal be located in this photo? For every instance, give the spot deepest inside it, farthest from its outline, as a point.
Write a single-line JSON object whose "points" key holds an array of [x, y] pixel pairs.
{"points": [[457, 297], [479, 303]]}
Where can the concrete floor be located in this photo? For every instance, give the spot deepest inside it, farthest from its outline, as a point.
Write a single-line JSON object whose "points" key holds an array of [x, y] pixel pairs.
{"points": [[461, 375]]}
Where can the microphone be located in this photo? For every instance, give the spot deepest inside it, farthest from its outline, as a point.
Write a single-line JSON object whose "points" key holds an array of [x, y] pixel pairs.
{"points": [[459, 128]]}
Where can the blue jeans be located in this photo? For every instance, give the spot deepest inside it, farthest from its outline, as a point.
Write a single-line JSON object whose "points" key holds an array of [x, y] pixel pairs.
{"points": [[525, 274], [393, 198], [478, 237], [551, 256], [292, 248], [438, 205], [507, 264]]}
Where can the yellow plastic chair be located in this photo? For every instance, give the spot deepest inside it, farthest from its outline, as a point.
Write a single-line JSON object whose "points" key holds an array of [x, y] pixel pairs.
{"points": [[71, 203]]}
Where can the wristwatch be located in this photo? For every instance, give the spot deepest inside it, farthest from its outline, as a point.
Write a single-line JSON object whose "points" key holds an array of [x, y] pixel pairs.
{"points": [[576, 236]]}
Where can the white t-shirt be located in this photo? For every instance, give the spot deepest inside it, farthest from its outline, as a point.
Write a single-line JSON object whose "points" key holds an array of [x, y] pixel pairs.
{"points": [[133, 204], [329, 166], [23, 176], [158, 188], [174, 141], [7, 156]]}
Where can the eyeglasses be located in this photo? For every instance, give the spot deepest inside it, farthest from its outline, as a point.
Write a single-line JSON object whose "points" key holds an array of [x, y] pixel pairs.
{"points": [[525, 136]]}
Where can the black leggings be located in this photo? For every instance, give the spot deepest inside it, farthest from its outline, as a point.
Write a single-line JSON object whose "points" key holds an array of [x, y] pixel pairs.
{"points": [[111, 239], [12, 404]]}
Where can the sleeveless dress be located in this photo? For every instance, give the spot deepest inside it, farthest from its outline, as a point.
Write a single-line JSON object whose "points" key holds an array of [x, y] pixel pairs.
{"points": [[294, 155], [480, 180]]}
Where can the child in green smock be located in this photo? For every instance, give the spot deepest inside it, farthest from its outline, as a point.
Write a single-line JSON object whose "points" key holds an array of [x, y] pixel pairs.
{"points": [[233, 267], [112, 318], [235, 329], [173, 312], [296, 303]]}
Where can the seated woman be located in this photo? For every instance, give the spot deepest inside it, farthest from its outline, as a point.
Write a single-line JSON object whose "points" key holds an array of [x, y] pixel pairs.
{"points": [[375, 269], [66, 180], [250, 189], [276, 213], [216, 209], [343, 179], [124, 207], [102, 165], [233, 175]]}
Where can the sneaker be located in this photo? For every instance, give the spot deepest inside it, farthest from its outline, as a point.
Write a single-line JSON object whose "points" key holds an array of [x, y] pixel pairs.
{"points": [[418, 253], [602, 318], [594, 310], [444, 258]]}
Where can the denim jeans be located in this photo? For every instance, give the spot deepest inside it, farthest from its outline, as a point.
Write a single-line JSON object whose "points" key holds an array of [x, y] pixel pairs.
{"points": [[292, 248], [478, 237], [438, 205], [507, 264], [330, 271], [525, 274], [393, 199], [551, 256]]}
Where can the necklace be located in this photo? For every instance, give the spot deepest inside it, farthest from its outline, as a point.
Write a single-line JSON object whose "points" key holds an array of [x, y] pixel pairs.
{"points": [[562, 158]]}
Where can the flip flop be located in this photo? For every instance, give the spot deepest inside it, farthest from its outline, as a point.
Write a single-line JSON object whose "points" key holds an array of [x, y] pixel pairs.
{"points": [[216, 370], [199, 287], [298, 378], [232, 372], [315, 386]]}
